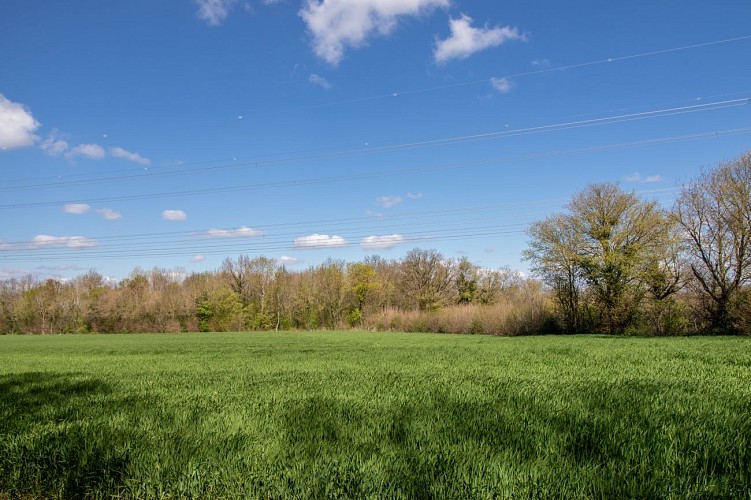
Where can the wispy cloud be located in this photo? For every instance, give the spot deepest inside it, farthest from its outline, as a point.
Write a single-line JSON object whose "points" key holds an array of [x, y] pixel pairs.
{"points": [[53, 145], [320, 81], [541, 63], [45, 240], [197, 258], [237, 232], [174, 215], [285, 260], [76, 208], [214, 12], [89, 151], [336, 25], [60, 268], [414, 196], [319, 241], [381, 242], [466, 40], [637, 177], [502, 85], [109, 214], [389, 201], [17, 125], [127, 155]]}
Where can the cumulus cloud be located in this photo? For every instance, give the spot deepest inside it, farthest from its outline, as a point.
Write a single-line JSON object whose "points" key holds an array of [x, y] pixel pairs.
{"points": [[198, 258], [127, 155], [319, 80], [636, 177], [336, 25], [45, 240], [174, 215], [389, 201], [502, 85], [466, 40], [214, 11], [89, 151], [17, 125], [238, 232], [109, 214], [285, 260], [76, 208], [381, 242], [319, 241], [53, 145]]}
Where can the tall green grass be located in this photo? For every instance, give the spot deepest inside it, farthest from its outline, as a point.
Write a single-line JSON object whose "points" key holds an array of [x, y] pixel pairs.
{"points": [[311, 415]]}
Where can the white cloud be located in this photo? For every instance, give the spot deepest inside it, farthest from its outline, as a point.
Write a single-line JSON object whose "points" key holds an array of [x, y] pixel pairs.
{"points": [[45, 240], [414, 196], [636, 177], [174, 215], [214, 11], [339, 24], [319, 80], [61, 267], [90, 151], [653, 178], [285, 260], [54, 146], [17, 125], [319, 241], [466, 40], [109, 214], [5, 246], [127, 155], [198, 258], [541, 63], [377, 215], [502, 85], [12, 272], [379, 242], [389, 201], [76, 208], [238, 232]]}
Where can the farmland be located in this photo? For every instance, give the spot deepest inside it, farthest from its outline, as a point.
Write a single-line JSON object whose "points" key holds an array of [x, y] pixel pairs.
{"points": [[351, 414]]}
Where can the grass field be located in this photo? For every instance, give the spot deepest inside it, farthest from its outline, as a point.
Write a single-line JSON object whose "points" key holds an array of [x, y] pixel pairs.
{"points": [[374, 415]]}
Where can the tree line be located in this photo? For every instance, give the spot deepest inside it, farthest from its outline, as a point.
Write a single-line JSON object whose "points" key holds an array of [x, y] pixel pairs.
{"points": [[610, 263], [615, 263], [260, 294]]}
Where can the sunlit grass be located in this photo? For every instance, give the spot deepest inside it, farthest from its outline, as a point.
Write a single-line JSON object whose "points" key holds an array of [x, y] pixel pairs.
{"points": [[374, 415]]}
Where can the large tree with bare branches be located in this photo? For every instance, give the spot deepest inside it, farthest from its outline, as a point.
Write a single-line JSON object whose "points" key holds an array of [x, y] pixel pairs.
{"points": [[714, 212]]}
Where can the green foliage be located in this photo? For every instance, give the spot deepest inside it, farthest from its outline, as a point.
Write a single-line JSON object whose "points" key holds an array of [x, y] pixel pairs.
{"points": [[326, 414], [610, 245]]}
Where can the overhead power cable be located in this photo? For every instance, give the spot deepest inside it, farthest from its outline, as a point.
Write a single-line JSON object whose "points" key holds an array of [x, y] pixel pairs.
{"points": [[476, 137], [609, 60]]}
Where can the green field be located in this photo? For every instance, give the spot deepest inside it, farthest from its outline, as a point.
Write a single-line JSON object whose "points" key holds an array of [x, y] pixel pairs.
{"points": [[374, 415]]}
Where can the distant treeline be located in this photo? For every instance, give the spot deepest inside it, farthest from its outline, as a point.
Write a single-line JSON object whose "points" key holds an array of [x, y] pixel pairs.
{"points": [[612, 263]]}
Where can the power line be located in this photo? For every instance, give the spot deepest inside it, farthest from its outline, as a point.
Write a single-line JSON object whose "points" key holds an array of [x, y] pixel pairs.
{"points": [[445, 224], [540, 71], [435, 142]]}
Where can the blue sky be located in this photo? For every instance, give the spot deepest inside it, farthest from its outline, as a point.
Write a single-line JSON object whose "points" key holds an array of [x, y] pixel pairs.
{"points": [[180, 132]]}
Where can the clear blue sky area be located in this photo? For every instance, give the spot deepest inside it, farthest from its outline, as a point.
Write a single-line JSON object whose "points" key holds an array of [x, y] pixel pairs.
{"points": [[176, 133]]}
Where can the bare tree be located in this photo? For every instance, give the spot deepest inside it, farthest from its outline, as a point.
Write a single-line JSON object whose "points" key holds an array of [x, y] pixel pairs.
{"points": [[427, 278], [714, 212]]}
